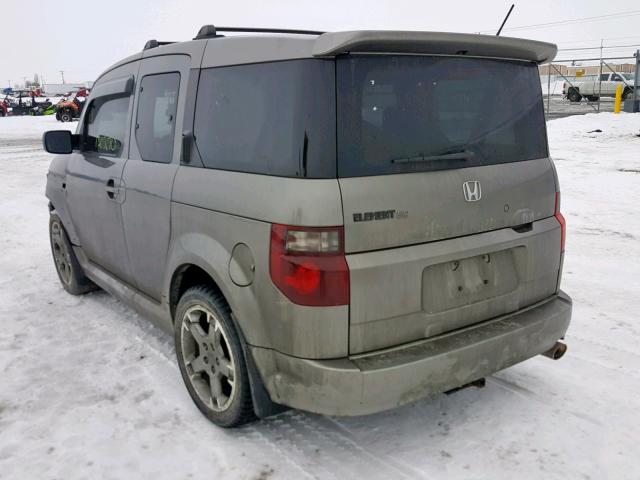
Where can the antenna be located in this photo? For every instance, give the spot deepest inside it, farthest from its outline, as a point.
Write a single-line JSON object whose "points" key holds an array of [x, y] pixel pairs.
{"points": [[505, 19]]}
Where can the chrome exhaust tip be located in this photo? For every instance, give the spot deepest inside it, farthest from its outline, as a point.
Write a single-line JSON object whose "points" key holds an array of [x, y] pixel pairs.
{"points": [[557, 351]]}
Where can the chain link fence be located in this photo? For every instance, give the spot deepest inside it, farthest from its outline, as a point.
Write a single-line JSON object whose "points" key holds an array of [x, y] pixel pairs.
{"points": [[575, 86]]}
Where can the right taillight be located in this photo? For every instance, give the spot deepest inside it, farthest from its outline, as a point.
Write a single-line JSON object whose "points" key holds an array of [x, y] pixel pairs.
{"points": [[308, 264], [561, 221]]}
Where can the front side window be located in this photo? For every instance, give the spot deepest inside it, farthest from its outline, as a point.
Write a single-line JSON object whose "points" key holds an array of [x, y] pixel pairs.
{"points": [[404, 113], [156, 119], [105, 125], [273, 118]]}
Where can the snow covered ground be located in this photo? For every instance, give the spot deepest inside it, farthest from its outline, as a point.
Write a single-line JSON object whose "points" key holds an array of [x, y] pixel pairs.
{"points": [[88, 389]]}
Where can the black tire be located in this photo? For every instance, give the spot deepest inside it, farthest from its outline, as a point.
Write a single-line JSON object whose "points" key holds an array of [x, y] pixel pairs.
{"points": [[592, 98], [211, 366], [69, 271], [66, 116], [574, 95], [627, 94]]}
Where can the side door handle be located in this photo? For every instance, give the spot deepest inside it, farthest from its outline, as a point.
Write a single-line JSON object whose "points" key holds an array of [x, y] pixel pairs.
{"points": [[185, 153], [110, 188], [115, 189]]}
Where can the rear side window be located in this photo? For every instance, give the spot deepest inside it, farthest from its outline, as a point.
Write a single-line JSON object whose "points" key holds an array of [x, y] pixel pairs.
{"points": [[401, 113], [106, 124], [269, 118], [156, 119]]}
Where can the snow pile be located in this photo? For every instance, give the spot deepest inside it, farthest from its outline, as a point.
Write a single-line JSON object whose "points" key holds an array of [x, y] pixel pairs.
{"points": [[88, 389]]}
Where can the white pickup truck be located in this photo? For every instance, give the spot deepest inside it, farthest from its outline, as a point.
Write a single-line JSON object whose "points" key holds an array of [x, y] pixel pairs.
{"points": [[606, 86]]}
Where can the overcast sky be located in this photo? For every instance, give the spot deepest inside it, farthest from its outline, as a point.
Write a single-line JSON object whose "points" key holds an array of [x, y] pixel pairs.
{"points": [[83, 37]]}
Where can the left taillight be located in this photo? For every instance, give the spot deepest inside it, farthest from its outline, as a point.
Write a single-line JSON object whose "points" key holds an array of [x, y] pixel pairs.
{"points": [[308, 264], [561, 221]]}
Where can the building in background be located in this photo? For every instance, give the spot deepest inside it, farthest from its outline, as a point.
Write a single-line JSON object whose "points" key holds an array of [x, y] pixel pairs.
{"points": [[581, 70], [63, 88]]}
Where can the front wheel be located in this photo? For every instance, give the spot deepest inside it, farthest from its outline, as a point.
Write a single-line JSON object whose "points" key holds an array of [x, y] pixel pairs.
{"points": [[574, 95], [211, 358], [68, 268], [627, 94], [66, 116]]}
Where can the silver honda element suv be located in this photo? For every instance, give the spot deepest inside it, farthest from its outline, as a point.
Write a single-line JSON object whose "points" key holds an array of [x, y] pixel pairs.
{"points": [[336, 222]]}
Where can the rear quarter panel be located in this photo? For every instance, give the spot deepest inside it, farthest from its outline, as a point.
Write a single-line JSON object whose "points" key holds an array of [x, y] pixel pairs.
{"points": [[212, 211]]}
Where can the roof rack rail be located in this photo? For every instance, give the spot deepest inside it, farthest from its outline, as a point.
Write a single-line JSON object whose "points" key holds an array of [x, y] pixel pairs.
{"points": [[206, 31], [210, 31], [154, 44]]}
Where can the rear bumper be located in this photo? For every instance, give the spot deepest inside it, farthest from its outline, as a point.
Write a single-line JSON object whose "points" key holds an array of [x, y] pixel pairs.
{"points": [[371, 383]]}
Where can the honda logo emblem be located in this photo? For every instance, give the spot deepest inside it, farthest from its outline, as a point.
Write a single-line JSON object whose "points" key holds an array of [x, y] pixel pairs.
{"points": [[472, 191]]}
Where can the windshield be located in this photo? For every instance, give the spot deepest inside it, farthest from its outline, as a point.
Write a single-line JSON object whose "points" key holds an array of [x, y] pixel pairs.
{"points": [[627, 76], [402, 113]]}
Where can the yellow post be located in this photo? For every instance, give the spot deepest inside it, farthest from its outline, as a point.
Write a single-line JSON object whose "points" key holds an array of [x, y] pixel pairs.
{"points": [[616, 106]]}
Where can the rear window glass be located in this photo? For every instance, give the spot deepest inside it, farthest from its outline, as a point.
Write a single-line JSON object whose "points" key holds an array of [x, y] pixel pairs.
{"points": [[156, 121], [401, 114], [273, 118]]}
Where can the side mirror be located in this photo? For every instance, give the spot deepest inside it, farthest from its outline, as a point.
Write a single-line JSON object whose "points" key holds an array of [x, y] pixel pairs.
{"points": [[59, 141]]}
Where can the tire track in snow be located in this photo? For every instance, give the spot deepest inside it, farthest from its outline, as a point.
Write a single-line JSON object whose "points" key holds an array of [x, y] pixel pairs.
{"points": [[528, 394], [611, 354], [605, 346], [327, 448], [408, 470], [252, 435], [286, 450]]}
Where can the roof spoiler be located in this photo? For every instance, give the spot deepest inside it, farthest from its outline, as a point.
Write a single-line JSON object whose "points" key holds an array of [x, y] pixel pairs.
{"points": [[434, 43]]}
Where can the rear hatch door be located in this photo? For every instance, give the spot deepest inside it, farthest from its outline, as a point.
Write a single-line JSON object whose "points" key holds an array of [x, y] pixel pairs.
{"points": [[448, 193]]}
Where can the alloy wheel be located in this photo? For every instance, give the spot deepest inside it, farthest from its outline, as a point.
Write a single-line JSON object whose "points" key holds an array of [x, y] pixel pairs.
{"points": [[207, 358], [61, 254]]}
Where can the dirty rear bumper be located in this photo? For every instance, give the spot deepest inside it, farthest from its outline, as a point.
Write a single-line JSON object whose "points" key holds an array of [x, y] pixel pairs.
{"points": [[379, 381]]}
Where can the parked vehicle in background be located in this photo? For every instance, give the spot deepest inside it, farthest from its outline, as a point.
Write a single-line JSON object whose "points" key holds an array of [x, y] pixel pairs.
{"points": [[341, 223], [24, 102], [603, 86], [43, 108], [20, 102], [585, 78], [68, 110]]}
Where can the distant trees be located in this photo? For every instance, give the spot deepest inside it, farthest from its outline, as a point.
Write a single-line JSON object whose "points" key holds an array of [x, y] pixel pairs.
{"points": [[35, 83]]}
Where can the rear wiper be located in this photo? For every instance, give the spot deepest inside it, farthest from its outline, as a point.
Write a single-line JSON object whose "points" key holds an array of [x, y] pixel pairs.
{"points": [[462, 155]]}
